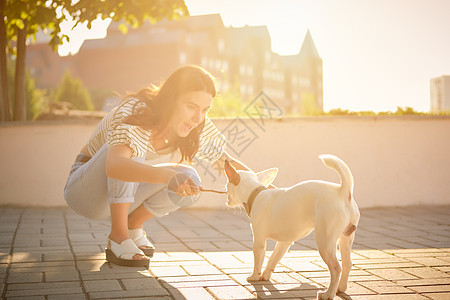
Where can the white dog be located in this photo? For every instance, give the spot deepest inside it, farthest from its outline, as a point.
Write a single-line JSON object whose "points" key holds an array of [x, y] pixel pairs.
{"points": [[288, 214]]}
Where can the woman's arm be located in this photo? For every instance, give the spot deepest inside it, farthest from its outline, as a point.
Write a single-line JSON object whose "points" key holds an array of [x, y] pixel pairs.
{"points": [[119, 165]]}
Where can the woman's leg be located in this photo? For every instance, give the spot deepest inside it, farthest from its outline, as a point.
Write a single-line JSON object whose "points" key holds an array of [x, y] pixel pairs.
{"points": [[86, 190], [119, 224], [137, 217]]}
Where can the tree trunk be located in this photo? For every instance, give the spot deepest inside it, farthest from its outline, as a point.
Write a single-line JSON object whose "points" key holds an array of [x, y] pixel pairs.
{"points": [[5, 107], [20, 104]]}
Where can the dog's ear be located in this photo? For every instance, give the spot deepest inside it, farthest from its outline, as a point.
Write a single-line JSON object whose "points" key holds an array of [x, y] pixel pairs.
{"points": [[266, 177], [232, 174]]}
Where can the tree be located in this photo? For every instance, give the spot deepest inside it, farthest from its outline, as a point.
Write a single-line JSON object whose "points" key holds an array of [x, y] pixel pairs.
{"points": [[5, 113], [23, 18]]}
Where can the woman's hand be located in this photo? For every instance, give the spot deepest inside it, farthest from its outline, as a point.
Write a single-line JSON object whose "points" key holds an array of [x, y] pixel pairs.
{"points": [[183, 185]]}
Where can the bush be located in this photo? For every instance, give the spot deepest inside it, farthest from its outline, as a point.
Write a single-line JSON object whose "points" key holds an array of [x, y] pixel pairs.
{"points": [[72, 90], [227, 104], [37, 101]]}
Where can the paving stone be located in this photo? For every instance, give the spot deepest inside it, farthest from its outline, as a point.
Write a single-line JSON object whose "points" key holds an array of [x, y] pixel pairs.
{"points": [[55, 276], [128, 294], [399, 253], [392, 274], [42, 265], [193, 282], [141, 283], [437, 296], [429, 261], [28, 298], [230, 292], [354, 288], [431, 288], [26, 257], [168, 271], [385, 287], [205, 269], [101, 285], [426, 272], [25, 277], [190, 293], [391, 297], [80, 296], [38, 289]]}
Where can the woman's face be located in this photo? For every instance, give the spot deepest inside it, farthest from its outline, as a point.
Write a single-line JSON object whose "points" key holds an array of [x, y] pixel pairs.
{"points": [[189, 112]]}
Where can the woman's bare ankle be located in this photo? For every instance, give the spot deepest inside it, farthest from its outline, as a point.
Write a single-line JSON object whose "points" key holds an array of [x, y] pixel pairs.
{"points": [[133, 225], [118, 238]]}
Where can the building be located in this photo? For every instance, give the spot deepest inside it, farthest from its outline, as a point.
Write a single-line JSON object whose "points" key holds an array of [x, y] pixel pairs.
{"points": [[240, 58], [440, 94]]}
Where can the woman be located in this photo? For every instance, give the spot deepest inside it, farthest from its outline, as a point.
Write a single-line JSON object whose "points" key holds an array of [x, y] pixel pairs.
{"points": [[110, 176]]}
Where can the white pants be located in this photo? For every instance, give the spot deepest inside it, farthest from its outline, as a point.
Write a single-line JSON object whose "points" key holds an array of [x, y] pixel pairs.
{"points": [[89, 191]]}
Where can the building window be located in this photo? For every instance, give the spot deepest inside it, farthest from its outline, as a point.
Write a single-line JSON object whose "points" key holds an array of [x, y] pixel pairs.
{"points": [[305, 82], [224, 66], [242, 70], [268, 57], [249, 71], [182, 58], [221, 46], [243, 89], [204, 61], [250, 89]]}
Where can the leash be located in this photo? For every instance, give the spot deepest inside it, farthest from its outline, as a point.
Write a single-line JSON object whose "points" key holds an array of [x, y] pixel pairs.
{"points": [[212, 191]]}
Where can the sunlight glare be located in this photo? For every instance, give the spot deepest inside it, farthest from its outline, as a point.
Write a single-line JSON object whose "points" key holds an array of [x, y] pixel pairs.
{"points": [[78, 34]]}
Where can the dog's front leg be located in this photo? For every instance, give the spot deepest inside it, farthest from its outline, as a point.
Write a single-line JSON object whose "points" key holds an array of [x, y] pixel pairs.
{"points": [[259, 251], [278, 253]]}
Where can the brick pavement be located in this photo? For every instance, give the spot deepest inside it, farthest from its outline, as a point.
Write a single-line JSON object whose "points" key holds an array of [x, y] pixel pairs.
{"points": [[399, 253]]}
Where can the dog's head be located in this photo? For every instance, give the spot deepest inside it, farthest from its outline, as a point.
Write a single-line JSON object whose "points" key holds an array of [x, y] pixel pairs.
{"points": [[242, 183]]}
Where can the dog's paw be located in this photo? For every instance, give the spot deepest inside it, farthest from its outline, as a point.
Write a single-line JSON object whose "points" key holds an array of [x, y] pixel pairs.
{"points": [[324, 296], [266, 276], [254, 277], [342, 287]]}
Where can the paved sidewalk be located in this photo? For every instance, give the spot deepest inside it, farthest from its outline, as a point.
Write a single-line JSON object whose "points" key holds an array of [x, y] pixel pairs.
{"points": [[399, 253]]}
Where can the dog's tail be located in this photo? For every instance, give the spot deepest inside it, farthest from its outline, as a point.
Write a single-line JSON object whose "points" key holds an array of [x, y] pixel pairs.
{"points": [[337, 164]]}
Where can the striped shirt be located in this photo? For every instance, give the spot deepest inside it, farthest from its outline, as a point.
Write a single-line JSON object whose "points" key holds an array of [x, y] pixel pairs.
{"points": [[112, 131]]}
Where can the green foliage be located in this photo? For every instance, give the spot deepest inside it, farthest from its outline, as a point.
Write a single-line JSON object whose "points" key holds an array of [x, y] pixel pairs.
{"points": [[227, 104], [37, 100], [308, 104], [35, 15], [401, 111], [29, 16], [72, 90], [48, 15], [99, 96], [133, 13]]}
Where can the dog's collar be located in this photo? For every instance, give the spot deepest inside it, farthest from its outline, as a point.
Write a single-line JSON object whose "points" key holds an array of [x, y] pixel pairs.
{"points": [[251, 199]]}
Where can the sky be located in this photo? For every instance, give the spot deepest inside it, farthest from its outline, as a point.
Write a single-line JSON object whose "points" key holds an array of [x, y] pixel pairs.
{"points": [[377, 54]]}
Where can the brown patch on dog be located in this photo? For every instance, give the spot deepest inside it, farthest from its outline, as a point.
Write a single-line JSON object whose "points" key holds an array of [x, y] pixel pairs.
{"points": [[349, 197], [349, 230]]}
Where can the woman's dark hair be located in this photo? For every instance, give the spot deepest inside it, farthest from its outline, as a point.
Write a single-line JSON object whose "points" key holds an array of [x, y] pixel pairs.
{"points": [[161, 101]]}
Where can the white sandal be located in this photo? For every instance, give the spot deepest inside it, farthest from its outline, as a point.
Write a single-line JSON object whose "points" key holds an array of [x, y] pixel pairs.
{"points": [[139, 237], [122, 254]]}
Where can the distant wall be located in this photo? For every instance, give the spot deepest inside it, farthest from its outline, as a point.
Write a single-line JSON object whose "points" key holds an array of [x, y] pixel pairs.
{"points": [[396, 161]]}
